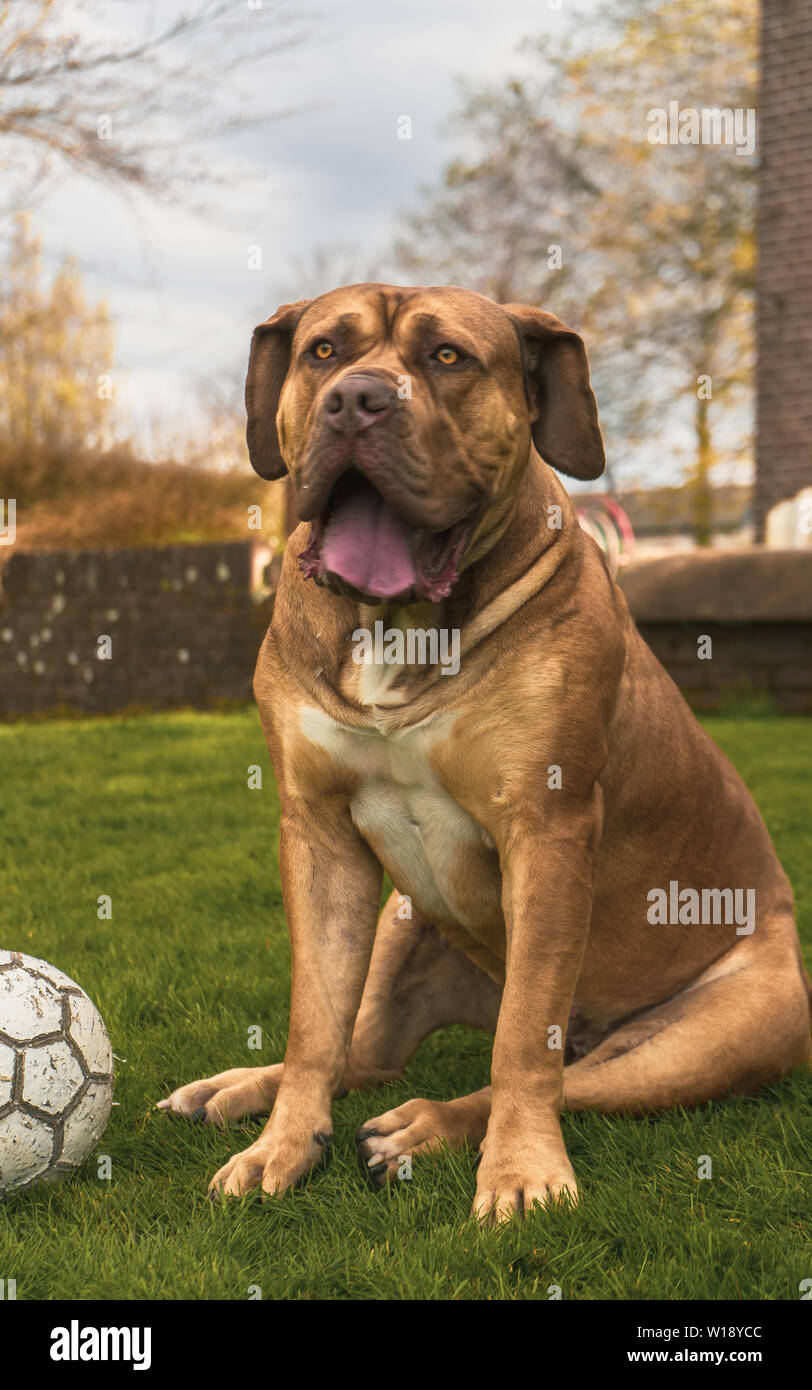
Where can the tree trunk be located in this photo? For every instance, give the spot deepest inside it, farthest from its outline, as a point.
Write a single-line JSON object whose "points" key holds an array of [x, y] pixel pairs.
{"points": [[702, 491]]}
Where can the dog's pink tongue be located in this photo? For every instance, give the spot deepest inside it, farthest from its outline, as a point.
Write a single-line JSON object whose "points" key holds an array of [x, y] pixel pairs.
{"points": [[368, 546]]}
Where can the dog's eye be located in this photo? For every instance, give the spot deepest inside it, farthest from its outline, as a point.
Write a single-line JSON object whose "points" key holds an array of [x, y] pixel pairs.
{"points": [[447, 355], [323, 350]]}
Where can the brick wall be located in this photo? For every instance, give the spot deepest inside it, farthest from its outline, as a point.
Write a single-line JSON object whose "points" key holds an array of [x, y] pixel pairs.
{"points": [[186, 623], [784, 405], [754, 605], [771, 659]]}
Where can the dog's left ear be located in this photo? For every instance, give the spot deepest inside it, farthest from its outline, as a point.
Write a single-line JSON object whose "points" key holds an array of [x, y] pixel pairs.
{"points": [[267, 368], [563, 409]]}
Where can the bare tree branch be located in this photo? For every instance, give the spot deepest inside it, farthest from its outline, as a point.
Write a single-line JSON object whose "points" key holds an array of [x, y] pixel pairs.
{"points": [[133, 112]]}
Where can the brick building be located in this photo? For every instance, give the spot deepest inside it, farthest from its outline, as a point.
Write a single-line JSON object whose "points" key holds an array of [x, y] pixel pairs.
{"points": [[784, 406]]}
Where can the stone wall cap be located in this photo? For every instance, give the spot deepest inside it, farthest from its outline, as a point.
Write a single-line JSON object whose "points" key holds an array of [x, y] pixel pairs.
{"points": [[753, 585]]}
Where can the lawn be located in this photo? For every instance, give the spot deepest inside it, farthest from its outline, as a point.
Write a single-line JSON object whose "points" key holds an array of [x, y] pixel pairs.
{"points": [[157, 813]]}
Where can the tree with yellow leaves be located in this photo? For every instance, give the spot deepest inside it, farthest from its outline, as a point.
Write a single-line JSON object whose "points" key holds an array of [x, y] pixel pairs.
{"points": [[572, 201], [56, 352]]}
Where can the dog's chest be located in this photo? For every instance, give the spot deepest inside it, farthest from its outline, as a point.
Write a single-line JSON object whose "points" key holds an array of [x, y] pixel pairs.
{"points": [[433, 850]]}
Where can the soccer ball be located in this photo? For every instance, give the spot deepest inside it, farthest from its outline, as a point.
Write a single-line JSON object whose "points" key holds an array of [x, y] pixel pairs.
{"points": [[56, 1072]]}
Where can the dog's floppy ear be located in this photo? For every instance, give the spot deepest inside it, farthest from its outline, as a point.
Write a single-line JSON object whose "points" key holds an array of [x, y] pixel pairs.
{"points": [[563, 409], [267, 368]]}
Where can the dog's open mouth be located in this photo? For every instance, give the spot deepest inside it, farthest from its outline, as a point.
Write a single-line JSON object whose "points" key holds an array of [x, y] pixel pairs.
{"points": [[359, 545]]}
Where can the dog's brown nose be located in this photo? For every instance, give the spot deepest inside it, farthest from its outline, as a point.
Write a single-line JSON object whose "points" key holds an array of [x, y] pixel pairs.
{"points": [[358, 402]]}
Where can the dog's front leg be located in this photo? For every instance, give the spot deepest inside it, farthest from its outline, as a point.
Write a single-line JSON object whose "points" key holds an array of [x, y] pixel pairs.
{"points": [[331, 885], [548, 882]]}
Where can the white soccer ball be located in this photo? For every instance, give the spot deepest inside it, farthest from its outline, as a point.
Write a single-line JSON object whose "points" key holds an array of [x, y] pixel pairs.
{"points": [[56, 1072]]}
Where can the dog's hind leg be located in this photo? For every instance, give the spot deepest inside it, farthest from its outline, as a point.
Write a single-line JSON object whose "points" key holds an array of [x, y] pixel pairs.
{"points": [[228, 1096], [417, 982], [420, 983], [743, 1023], [420, 1126]]}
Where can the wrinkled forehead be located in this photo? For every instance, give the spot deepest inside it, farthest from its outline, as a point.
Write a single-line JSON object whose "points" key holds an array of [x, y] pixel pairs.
{"points": [[400, 315]]}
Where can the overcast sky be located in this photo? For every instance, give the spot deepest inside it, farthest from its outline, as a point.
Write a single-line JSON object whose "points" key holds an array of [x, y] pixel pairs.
{"points": [[332, 174]]}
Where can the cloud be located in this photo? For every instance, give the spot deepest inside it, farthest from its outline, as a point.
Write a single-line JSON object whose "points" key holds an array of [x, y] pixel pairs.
{"points": [[332, 174]]}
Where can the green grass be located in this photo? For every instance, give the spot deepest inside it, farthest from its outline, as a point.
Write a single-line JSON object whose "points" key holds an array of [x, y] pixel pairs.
{"points": [[156, 813]]}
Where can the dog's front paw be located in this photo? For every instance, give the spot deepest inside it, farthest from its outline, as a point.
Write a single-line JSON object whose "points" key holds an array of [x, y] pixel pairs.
{"points": [[505, 1188], [270, 1164]]}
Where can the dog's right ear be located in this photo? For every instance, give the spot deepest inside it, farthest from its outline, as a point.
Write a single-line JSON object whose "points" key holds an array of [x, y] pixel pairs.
{"points": [[267, 368]]}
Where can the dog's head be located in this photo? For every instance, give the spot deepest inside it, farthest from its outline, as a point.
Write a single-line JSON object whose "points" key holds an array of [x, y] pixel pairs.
{"points": [[405, 419]]}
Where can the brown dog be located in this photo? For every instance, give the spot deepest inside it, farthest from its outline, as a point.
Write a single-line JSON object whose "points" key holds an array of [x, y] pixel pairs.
{"points": [[574, 860]]}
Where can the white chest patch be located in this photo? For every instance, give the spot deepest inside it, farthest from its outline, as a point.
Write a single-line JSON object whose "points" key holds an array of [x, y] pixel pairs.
{"points": [[411, 822]]}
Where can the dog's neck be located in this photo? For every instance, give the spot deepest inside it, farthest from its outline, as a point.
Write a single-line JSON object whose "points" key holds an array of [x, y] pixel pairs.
{"points": [[540, 543], [525, 552], [539, 534]]}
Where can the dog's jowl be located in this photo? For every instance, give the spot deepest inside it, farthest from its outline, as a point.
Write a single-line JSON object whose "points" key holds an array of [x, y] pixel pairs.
{"points": [[528, 892]]}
